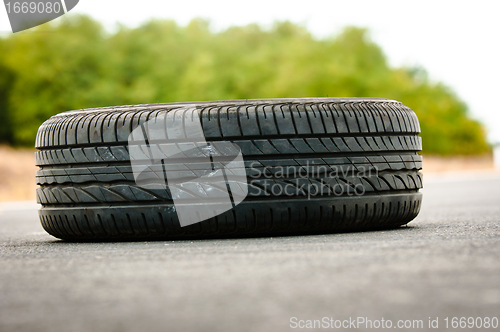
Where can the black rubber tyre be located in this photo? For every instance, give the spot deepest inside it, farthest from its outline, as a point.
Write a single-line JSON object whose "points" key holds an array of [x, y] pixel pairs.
{"points": [[88, 193]]}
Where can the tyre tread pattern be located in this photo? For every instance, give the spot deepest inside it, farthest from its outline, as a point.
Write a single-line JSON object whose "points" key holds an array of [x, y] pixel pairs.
{"points": [[88, 193]]}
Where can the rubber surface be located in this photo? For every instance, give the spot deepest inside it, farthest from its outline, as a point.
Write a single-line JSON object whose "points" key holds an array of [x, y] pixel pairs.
{"points": [[340, 146]]}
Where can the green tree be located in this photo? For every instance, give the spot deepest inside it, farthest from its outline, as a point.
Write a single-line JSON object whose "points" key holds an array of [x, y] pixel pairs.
{"points": [[6, 81], [75, 64]]}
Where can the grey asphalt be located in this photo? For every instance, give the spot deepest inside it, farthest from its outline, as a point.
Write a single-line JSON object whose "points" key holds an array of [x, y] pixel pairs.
{"points": [[446, 263]]}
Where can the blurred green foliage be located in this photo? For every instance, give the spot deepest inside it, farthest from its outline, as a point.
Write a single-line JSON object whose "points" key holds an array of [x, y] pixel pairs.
{"points": [[76, 64]]}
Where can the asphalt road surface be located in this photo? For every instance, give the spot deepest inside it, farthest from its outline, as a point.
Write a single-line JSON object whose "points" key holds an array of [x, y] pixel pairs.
{"points": [[446, 263]]}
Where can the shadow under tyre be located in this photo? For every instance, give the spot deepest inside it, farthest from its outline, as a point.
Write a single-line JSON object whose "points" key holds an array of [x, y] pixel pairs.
{"points": [[312, 165]]}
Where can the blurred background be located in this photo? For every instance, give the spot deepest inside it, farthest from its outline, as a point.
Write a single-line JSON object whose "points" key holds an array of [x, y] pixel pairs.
{"points": [[440, 59]]}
